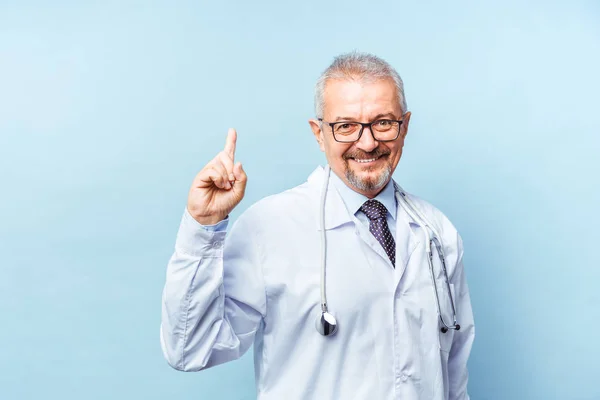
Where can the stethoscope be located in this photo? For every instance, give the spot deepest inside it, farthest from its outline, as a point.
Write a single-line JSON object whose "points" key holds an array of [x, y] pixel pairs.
{"points": [[326, 323]]}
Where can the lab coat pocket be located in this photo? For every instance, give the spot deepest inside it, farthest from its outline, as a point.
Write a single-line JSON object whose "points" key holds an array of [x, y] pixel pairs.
{"points": [[448, 316]]}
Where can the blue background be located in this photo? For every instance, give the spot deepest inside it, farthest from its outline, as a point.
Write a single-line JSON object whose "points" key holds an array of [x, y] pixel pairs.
{"points": [[109, 109]]}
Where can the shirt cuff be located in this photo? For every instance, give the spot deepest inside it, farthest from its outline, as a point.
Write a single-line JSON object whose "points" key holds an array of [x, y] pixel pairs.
{"points": [[220, 226], [196, 239]]}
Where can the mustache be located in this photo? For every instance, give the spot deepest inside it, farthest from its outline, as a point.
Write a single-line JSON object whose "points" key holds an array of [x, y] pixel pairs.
{"points": [[376, 153]]}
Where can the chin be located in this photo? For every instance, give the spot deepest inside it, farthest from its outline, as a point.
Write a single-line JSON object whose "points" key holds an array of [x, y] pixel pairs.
{"points": [[369, 181]]}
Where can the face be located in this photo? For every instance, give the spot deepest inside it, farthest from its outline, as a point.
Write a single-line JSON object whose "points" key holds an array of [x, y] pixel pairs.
{"points": [[367, 165]]}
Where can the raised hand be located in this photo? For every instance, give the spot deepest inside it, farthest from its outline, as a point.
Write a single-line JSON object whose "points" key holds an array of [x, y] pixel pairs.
{"points": [[218, 187]]}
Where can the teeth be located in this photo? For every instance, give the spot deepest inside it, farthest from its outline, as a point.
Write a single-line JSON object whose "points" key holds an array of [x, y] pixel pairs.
{"points": [[365, 161]]}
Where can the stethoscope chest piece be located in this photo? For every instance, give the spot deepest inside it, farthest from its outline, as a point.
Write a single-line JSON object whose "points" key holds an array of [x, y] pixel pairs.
{"points": [[326, 324]]}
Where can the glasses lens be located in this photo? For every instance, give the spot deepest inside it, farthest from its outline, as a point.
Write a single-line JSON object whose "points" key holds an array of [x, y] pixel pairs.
{"points": [[346, 131], [385, 129]]}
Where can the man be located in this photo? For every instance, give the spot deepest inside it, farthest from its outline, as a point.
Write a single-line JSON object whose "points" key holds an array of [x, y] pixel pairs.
{"points": [[262, 284]]}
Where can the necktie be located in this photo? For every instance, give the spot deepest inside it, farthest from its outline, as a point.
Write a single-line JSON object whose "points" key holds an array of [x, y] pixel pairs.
{"points": [[377, 214]]}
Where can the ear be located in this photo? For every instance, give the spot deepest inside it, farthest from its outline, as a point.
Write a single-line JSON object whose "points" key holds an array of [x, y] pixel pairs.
{"points": [[404, 127], [315, 126]]}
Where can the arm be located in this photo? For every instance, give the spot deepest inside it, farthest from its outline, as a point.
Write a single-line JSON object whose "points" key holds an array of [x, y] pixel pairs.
{"points": [[463, 339], [211, 308]]}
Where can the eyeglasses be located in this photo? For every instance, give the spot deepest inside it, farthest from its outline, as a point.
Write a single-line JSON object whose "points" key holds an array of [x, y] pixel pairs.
{"points": [[383, 130]]}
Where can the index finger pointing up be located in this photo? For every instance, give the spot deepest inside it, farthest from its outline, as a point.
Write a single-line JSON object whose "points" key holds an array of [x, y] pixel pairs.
{"points": [[230, 143]]}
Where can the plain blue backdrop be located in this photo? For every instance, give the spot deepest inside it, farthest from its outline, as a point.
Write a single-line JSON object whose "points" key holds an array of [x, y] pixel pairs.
{"points": [[109, 109]]}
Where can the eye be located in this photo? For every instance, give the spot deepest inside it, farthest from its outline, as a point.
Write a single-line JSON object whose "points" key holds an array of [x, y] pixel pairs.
{"points": [[345, 128], [385, 125]]}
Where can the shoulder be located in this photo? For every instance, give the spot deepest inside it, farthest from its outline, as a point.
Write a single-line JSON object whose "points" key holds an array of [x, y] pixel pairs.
{"points": [[431, 212], [299, 200]]}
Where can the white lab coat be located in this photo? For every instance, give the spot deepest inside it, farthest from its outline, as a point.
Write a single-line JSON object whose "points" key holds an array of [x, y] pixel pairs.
{"points": [[261, 285]]}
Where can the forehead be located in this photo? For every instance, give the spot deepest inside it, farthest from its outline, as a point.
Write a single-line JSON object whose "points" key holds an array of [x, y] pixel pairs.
{"points": [[360, 99]]}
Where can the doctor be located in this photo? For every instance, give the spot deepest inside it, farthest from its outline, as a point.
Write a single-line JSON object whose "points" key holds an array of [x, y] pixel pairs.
{"points": [[262, 283]]}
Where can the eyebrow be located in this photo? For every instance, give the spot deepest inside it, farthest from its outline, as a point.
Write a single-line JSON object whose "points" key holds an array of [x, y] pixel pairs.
{"points": [[378, 116]]}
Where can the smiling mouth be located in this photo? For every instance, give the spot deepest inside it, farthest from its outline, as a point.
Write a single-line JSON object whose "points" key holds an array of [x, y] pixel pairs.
{"points": [[367, 160]]}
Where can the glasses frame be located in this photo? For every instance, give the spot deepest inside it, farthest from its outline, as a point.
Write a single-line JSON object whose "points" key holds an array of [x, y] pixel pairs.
{"points": [[363, 125]]}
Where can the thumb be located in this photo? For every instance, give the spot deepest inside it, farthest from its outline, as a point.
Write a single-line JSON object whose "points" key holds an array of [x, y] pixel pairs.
{"points": [[240, 175]]}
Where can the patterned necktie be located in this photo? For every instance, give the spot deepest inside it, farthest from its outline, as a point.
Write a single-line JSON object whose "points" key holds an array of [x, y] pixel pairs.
{"points": [[377, 214]]}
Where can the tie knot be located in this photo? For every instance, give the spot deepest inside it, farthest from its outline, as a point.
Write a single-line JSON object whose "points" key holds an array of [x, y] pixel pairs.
{"points": [[373, 209]]}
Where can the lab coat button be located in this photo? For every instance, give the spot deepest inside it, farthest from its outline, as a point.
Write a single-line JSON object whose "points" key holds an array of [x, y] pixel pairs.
{"points": [[404, 377], [217, 245]]}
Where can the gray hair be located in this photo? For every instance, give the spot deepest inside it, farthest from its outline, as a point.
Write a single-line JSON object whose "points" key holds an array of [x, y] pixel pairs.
{"points": [[362, 66]]}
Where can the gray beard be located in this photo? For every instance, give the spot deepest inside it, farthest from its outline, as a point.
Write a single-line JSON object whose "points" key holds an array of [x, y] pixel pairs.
{"points": [[368, 185]]}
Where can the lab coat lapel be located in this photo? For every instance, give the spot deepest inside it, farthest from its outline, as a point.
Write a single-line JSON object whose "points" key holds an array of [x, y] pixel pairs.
{"points": [[406, 240], [367, 237], [336, 214]]}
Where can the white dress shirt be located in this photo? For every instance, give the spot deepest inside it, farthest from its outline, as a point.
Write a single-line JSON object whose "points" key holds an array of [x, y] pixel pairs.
{"points": [[354, 200]]}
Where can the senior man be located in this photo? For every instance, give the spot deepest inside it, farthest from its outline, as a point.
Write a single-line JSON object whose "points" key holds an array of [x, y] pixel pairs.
{"points": [[393, 326]]}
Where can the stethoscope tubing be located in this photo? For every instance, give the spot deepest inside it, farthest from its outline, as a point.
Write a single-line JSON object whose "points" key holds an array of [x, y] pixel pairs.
{"points": [[327, 324]]}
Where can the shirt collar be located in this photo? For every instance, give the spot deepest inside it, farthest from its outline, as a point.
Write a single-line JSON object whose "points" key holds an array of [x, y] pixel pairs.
{"points": [[354, 200]]}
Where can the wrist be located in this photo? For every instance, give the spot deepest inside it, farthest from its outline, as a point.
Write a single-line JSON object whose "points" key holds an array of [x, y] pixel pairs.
{"points": [[207, 219]]}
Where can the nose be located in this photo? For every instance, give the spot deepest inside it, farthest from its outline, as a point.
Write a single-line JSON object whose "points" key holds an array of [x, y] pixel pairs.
{"points": [[367, 142]]}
